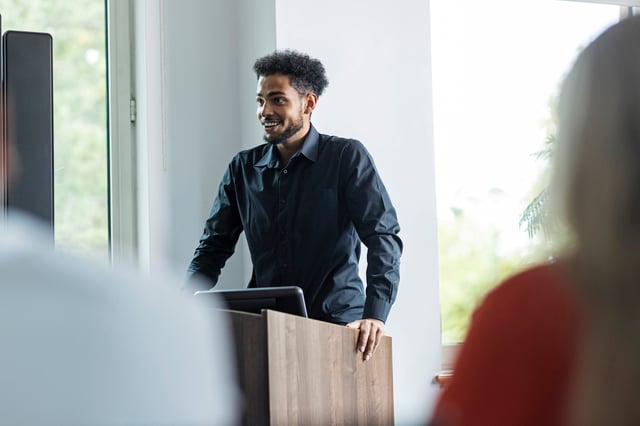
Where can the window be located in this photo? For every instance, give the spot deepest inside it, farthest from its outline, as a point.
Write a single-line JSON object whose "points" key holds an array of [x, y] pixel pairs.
{"points": [[497, 68], [81, 219]]}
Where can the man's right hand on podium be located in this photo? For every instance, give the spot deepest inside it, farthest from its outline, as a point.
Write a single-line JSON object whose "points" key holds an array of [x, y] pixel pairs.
{"points": [[371, 331]]}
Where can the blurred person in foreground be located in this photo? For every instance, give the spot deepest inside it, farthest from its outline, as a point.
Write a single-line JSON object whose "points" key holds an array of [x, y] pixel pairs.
{"points": [[82, 344], [558, 344]]}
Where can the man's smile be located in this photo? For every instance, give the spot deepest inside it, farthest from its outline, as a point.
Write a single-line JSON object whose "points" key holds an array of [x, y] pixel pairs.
{"points": [[270, 125]]}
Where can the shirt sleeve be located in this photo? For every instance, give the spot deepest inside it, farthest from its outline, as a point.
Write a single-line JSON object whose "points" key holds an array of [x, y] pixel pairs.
{"points": [[375, 220], [218, 240]]}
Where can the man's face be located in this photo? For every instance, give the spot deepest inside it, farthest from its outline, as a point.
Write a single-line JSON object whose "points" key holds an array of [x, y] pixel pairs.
{"points": [[283, 113]]}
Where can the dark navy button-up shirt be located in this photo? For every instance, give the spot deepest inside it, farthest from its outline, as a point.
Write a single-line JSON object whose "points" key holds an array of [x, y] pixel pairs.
{"points": [[304, 223]]}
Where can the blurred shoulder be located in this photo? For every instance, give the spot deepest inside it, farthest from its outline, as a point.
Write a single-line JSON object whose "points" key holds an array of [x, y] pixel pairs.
{"points": [[543, 289]]}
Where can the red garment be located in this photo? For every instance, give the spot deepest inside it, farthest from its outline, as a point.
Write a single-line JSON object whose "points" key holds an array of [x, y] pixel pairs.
{"points": [[516, 364]]}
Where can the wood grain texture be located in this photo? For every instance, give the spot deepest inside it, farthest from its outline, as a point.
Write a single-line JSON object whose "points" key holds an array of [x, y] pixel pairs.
{"points": [[251, 358], [316, 376]]}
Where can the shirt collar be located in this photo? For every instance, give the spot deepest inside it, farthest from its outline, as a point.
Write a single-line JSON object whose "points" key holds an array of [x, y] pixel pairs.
{"points": [[269, 158], [310, 145], [309, 149]]}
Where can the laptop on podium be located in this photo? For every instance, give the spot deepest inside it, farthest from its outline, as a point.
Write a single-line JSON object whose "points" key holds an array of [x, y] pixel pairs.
{"points": [[287, 299]]}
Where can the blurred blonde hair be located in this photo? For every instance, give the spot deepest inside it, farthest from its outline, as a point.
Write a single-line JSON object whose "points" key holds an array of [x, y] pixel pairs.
{"points": [[596, 187]]}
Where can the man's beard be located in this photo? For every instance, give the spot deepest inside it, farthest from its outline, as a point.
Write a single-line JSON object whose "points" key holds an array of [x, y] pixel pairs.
{"points": [[286, 134]]}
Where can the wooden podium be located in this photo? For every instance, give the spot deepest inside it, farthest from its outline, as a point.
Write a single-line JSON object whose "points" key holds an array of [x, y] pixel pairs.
{"points": [[299, 371]]}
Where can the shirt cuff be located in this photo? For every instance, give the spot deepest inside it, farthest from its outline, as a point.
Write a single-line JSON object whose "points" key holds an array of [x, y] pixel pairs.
{"points": [[376, 308]]}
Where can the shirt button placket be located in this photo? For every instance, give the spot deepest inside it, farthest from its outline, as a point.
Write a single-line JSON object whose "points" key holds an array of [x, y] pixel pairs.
{"points": [[282, 222]]}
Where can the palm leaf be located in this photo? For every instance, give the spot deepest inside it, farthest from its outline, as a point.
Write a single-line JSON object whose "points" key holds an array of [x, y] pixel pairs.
{"points": [[533, 218]]}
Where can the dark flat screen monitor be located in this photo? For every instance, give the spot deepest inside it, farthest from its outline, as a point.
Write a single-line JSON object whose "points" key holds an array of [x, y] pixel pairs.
{"points": [[27, 71], [287, 299]]}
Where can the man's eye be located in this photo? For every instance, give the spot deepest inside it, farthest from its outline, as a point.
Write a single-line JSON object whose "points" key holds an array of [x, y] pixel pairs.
{"points": [[279, 101], [260, 102]]}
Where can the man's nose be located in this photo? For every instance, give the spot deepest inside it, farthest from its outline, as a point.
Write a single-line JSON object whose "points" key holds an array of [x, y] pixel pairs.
{"points": [[264, 110]]}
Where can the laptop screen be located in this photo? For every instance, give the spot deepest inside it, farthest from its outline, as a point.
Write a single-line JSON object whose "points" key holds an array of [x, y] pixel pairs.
{"points": [[287, 299]]}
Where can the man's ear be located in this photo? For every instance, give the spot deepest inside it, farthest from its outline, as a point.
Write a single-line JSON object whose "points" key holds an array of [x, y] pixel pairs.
{"points": [[311, 100]]}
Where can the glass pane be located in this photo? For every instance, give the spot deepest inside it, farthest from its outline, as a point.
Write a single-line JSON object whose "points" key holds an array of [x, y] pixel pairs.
{"points": [[497, 67], [80, 135]]}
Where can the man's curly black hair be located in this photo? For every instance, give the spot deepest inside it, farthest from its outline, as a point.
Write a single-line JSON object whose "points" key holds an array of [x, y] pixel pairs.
{"points": [[305, 73]]}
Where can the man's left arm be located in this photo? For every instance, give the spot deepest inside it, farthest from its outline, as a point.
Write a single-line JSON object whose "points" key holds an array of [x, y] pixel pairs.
{"points": [[374, 217]]}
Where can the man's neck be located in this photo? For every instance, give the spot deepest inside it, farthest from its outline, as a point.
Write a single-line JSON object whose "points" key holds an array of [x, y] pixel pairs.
{"points": [[287, 149], [285, 152]]}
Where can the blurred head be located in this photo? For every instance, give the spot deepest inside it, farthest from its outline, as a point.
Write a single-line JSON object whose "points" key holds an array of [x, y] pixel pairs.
{"points": [[597, 170], [597, 185], [10, 164]]}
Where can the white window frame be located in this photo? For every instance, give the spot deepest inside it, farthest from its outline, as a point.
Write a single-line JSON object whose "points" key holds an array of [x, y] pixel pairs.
{"points": [[122, 153]]}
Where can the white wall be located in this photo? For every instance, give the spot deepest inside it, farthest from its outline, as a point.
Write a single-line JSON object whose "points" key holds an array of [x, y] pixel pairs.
{"points": [[196, 100], [196, 109], [377, 57]]}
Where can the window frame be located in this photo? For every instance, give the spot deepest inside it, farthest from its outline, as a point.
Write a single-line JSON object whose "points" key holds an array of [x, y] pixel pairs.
{"points": [[123, 229]]}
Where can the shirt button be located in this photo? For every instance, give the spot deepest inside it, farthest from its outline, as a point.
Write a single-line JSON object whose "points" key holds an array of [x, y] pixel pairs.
{"points": [[285, 171]]}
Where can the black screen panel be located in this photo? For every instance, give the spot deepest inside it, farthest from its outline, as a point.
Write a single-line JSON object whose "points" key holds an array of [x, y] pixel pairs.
{"points": [[288, 299], [28, 89]]}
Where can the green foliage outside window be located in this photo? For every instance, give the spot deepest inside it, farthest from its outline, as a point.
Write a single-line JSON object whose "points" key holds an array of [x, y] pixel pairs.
{"points": [[471, 263], [472, 260], [80, 114]]}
